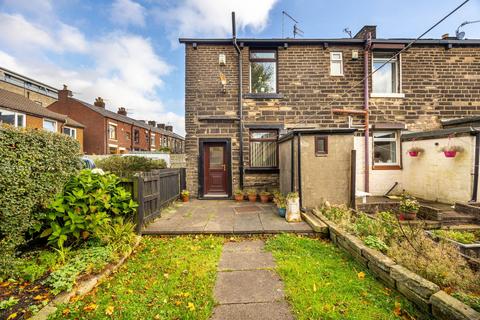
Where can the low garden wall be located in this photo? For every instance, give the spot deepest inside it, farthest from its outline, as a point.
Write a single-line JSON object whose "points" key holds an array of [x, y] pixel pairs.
{"points": [[425, 294]]}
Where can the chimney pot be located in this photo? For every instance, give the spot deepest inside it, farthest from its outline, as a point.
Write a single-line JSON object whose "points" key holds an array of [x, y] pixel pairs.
{"points": [[122, 111], [169, 128], [152, 123], [161, 125], [99, 102], [445, 36]]}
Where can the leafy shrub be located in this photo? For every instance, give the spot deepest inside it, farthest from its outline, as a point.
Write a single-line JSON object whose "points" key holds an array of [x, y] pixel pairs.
{"points": [[375, 243], [130, 164], [341, 215], [464, 237], [88, 201], [120, 235], [86, 260], [35, 165]]}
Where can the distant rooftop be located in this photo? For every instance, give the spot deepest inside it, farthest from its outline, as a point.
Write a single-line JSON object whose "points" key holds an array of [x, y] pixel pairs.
{"points": [[22, 81]]}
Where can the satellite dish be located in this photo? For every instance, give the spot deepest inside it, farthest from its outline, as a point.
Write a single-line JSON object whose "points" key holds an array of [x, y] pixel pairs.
{"points": [[460, 35]]}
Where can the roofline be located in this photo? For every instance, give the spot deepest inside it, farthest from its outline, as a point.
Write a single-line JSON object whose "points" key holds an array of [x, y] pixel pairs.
{"points": [[29, 79], [440, 133], [460, 120], [329, 131], [320, 41], [60, 117]]}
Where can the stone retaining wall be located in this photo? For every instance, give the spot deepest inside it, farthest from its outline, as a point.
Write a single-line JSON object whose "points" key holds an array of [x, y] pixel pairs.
{"points": [[426, 295]]}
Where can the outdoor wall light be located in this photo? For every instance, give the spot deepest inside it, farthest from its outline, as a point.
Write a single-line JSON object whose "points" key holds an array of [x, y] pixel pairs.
{"points": [[222, 59]]}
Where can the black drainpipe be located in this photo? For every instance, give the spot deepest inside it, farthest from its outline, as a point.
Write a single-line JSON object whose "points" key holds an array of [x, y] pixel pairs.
{"points": [[299, 159], [475, 167], [240, 94]]}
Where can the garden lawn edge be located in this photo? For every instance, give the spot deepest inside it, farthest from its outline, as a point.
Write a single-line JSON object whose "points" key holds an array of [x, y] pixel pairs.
{"points": [[415, 288], [83, 287]]}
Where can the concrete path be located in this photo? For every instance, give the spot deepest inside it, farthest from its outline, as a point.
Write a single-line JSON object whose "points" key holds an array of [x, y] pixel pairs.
{"points": [[247, 286]]}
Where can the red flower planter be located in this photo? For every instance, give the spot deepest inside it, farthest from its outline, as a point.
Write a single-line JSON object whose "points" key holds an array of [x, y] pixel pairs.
{"points": [[413, 153], [450, 154]]}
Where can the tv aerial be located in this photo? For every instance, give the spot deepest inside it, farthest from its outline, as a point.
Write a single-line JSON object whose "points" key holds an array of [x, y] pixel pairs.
{"points": [[461, 34], [296, 30]]}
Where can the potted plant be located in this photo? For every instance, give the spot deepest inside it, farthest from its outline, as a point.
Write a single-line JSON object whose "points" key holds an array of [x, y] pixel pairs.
{"points": [[252, 195], [414, 151], [264, 196], [408, 208], [239, 194], [451, 151], [293, 207], [281, 202], [185, 195]]}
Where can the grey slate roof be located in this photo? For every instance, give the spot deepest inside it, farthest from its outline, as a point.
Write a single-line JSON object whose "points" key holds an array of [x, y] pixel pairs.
{"points": [[17, 102], [115, 116]]}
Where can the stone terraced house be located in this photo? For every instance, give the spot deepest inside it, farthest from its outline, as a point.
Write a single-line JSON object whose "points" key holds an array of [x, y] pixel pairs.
{"points": [[232, 130]]}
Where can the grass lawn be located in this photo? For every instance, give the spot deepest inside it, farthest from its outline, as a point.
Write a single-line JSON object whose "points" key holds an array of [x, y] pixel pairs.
{"points": [[322, 282], [168, 278]]}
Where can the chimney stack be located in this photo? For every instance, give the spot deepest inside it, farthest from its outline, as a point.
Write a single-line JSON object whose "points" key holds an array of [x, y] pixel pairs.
{"points": [[99, 102], [161, 126], [152, 123], [362, 34], [169, 128], [122, 111], [64, 94]]}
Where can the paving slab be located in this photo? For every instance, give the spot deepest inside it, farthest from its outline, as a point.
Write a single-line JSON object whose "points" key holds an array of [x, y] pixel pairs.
{"points": [[246, 261], [244, 246], [247, 222], [253, 311]]}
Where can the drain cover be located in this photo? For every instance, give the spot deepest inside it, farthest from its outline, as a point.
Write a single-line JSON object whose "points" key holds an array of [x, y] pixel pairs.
{"points": [[247, 209]]}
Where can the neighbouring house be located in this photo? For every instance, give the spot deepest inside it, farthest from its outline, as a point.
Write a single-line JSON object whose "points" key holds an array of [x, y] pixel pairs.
{"points": [[233, 130], [108, 132], [38, 92], [18, 111]]}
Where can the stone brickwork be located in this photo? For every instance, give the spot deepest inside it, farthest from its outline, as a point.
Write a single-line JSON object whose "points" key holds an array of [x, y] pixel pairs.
{"points": [[437, 82]]}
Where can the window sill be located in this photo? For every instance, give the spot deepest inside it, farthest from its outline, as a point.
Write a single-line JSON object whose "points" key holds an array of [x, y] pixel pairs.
{"points": [[387, 95], [263, 96], [387, 167], [262, 170]]}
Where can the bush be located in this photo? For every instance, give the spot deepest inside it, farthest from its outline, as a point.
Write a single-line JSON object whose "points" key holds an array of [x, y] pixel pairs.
{"points": [[35, 165], [129, 164], [464, 237], [120, 235], [88, 201]]}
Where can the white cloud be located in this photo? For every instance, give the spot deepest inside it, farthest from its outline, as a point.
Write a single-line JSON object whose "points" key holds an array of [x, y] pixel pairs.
{"points": [[17, 32], [128, 12], [30, 6], [190, 18]]}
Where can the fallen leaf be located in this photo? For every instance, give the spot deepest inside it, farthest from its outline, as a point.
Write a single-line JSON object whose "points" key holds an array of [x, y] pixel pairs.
{"points": [[398, 309], [109, 310], [177, 303], [90, 307], [361, 275], [66, 312], [40, 297], [12, 316], [314, 287], [191, 306], [166, 275]]}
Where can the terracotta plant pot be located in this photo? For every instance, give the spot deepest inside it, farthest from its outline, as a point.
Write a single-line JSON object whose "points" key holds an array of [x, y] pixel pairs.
{"points": [[408, 216], [264, 199], [239, 197], [185, 198], [450, 154], [413, 153], [252, 197]]}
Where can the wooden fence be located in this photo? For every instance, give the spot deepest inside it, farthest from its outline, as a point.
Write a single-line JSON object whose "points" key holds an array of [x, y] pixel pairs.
{"points": [[153, 191]]}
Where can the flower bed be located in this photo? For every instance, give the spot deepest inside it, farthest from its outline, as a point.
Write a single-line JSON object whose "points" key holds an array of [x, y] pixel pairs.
{"points": [[468, 243], [438, 268]]}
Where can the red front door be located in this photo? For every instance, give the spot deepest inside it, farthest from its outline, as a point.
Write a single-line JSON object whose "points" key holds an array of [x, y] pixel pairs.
{"points": [[215, 169]]}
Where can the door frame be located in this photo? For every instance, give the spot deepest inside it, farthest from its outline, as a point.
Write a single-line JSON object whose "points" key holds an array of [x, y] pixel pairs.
{"points": [[201, 173]]}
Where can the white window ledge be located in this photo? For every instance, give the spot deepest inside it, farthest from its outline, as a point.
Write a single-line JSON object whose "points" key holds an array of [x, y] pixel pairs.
{"points": [[387, 95]]}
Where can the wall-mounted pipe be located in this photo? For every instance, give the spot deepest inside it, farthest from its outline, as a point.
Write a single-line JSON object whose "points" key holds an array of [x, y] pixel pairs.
{"points": [[368, 44], [240, 98], [476, 168]]}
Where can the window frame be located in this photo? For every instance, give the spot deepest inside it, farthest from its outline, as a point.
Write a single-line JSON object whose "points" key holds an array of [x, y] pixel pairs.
{"points": [[398, 74], [15, 117], [323, 153], [74, 130], [341, 74], [152, 140], [274, 60], [136, 136], [398, 152], [55, 124], [114, 125], [251, 139]]}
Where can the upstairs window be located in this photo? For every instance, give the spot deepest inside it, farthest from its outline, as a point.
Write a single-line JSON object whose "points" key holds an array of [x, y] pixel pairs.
{"points": [[112, 131], [152, 140], [385, 148], [136, 136], [71, 132], [387, 79], [263, 148], [263, 71], [336, 64]]}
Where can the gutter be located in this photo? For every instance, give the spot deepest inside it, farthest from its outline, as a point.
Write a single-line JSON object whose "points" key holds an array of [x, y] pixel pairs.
{"points": [[240, 97]]}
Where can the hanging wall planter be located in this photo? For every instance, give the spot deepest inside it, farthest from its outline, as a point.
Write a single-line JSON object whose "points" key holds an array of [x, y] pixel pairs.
{"points": [[450, 154], [414, 151], [451, 151]]}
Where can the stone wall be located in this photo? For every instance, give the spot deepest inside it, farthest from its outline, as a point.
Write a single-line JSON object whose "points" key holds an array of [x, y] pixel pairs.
{"points": [[437, 83], [426, 295]]}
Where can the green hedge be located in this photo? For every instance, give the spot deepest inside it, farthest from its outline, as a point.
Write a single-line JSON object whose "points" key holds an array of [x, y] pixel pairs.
{"points": [[35, 166], [129, 164]]}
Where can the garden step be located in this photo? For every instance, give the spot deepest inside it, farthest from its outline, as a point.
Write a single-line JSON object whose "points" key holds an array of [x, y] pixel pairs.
{"points": [[314, 222], [465, 227], [456, 217]]}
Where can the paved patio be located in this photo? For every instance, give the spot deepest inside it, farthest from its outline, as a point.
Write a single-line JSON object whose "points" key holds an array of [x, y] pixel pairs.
{"points": [[223, 217]]}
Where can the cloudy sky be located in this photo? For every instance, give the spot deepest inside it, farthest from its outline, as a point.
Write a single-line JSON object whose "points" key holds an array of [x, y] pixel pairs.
{"points": [[127, 51]]}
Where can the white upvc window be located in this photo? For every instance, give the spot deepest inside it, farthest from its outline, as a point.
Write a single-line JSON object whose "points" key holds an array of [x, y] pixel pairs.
{"points": [[71, 132], [50, 125], [112, 131], [387, 79], [336, 64], [386, 149], [152, 139], [13, 118]]}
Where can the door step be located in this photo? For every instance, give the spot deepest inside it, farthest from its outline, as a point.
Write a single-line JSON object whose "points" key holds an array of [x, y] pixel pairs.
{"points": [[315, 223]]}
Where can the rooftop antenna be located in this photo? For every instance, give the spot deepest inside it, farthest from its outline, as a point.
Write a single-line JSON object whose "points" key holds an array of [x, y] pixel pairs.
{"points": [[348, 31], [296, 30], [461, 34]]}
